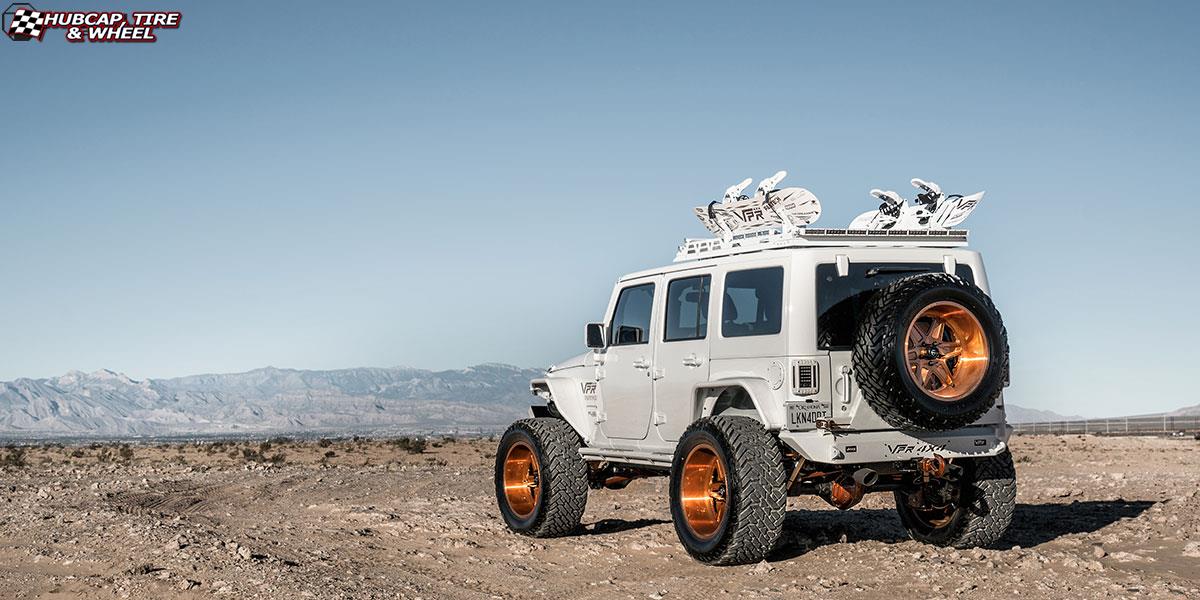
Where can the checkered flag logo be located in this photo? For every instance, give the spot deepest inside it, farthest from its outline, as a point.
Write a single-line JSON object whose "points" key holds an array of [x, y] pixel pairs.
{"points": [[26, 24]]}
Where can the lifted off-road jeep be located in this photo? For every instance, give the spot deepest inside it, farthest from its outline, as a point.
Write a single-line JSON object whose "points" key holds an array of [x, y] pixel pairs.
{"points": [[779, 359]]}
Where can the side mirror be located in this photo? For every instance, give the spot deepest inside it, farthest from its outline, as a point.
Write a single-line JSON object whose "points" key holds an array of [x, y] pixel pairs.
{"points": [[595, 336]]}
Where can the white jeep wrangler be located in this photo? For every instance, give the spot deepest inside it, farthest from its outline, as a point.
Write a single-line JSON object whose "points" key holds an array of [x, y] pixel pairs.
{"points": [[778, 359]]}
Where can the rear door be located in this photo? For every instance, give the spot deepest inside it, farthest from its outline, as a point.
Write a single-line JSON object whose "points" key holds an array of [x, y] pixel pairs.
{"points": [[681, 358], [627, 385], [842, 304]]}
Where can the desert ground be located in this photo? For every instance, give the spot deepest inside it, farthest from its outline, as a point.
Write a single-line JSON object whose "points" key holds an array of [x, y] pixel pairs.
{"points": [[1097, 517]]}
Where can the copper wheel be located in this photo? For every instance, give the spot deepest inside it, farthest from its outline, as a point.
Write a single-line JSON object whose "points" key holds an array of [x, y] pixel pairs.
{"points": [[946, 351], [703, 490], [522, 480], [935, 517]]}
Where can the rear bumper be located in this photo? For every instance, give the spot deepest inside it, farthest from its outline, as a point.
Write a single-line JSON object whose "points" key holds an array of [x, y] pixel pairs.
{"points": [[856, 447]]}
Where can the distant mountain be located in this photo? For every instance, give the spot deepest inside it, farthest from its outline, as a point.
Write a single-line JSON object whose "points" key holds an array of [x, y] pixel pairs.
{"points": [[1020, 414], [269, 400], [1187, 411]]}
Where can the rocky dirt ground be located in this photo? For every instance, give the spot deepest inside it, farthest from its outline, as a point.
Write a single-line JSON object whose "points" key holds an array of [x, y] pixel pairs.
{"points": [[1096, 518]]}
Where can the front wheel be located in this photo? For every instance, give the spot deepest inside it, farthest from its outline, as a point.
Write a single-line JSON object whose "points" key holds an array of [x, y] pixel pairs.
{"points": [[970, 512], [541, 480], [728, 491]]}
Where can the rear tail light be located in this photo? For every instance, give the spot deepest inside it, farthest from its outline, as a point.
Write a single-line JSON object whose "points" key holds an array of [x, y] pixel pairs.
{"points": [[804, 377]]}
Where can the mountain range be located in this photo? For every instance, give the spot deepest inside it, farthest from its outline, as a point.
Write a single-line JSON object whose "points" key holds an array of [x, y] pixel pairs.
{"points": [[269, 400], [484, 397]]}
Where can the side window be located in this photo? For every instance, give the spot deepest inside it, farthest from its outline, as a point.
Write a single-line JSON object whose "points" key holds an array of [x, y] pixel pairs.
{"points": [[687, 309], [631, 320], [752, 303]]}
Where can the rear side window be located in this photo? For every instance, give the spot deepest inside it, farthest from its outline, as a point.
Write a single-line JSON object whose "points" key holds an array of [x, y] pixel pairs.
{"points": [[687, 309], [752, 303], [841, 301], [631, 319]]}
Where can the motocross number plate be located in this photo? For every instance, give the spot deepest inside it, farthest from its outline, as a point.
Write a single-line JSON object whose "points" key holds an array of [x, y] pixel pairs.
{"points": [[804, 415]]}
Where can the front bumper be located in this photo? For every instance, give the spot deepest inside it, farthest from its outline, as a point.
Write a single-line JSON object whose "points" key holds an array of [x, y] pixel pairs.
{"points": [[859, 447]]}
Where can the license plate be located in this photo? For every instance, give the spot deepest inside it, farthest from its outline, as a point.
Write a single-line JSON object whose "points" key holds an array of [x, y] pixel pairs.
{"points": [[804, 415]]}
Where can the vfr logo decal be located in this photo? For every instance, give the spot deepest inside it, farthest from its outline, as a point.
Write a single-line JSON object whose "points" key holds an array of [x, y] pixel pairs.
{"points": [[589, 388], [751, 214], [912, 449]]}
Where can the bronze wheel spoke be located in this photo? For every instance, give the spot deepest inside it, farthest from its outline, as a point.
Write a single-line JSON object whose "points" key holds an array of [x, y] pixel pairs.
{"points": [[928, 380], [937, 330], [943, 373], [915, 335]]}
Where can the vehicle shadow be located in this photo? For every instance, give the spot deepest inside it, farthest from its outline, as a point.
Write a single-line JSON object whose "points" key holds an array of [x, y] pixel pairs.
{"points": [[1032, 525], [609, 526]]}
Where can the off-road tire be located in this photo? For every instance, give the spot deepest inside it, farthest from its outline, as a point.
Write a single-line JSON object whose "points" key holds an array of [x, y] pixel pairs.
{"points": [[879, 362], [756, 491], [988, 499], [564, 485]]}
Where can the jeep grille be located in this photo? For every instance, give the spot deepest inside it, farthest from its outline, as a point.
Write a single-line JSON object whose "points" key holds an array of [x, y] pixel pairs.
{"points": [[804, 377]]}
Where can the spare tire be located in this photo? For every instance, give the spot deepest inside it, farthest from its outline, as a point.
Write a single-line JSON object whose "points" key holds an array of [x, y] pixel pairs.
{"points": [[931, 353]]}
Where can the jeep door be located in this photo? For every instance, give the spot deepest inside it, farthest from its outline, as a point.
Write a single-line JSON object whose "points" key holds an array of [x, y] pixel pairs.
{"points": [[681, 356], [626, 384]]}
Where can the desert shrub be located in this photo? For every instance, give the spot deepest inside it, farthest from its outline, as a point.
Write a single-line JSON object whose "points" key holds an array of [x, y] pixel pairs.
{"points": [[265, 446], [14, 456], [324, 443], [125, 453], [259, 456], [77, 453], [410, 445]]}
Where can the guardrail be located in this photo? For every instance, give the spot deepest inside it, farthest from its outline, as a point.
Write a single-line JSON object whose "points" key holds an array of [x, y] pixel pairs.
{"points": [[1146, 425]]}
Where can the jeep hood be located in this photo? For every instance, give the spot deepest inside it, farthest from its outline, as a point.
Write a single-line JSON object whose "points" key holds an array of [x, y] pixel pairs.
{"points": [[583, 360]]}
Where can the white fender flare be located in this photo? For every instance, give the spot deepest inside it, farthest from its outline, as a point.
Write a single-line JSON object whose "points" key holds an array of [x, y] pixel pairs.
{"points": [[771, 413], [568, 400]]}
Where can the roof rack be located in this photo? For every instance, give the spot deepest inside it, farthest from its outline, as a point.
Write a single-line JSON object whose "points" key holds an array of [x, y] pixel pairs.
{"points": [[767, 239]]}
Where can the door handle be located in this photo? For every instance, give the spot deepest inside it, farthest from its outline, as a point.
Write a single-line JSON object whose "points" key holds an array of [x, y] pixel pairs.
{"points": [[692, 360], [641, 363]]}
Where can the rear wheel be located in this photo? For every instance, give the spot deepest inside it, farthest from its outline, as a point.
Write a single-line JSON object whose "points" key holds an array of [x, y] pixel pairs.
{"points": [[541, 480], [970, 510], [728, 491]]}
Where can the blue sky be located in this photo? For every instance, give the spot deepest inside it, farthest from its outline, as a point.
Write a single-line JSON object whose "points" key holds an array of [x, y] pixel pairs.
{"points": [[441, 184]]}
